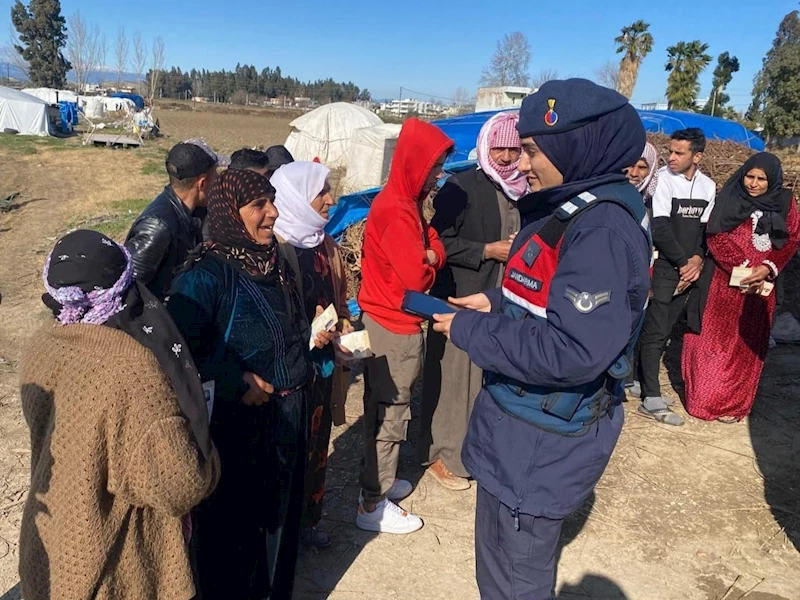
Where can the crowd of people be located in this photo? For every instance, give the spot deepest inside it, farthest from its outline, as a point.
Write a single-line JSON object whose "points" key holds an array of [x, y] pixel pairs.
{"points": [[181, 410]]}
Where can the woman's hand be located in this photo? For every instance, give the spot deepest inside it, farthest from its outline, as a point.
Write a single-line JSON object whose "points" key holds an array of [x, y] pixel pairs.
{"points": [[323, 337], [431, 257], [259, 391], [479, 302], [345, 327], [758, 277]]}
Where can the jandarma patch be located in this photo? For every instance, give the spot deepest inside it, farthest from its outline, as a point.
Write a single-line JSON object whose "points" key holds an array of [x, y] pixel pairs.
{"points": [[525, 280], [584, 302]]}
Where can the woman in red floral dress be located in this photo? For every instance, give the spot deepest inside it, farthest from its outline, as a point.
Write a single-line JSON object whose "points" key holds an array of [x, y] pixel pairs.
{"points": [[755, 224]]}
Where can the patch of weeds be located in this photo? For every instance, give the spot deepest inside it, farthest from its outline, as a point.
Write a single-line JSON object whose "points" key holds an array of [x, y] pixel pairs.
{"points": [[116, 223], [8, 203], [153, 168], [31, 144]]}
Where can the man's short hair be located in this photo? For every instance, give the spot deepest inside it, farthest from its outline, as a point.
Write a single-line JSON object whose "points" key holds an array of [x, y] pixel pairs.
{"points": [[247, 158], [693, 135]]}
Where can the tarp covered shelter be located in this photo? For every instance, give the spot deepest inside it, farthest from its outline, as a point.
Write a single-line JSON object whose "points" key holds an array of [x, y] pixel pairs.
{"points": [[369, 156], [137, 100], [23, 113], [326, 132]]}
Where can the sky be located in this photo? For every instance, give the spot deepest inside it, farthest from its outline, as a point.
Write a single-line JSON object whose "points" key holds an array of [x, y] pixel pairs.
{"points": [[433, 48]]}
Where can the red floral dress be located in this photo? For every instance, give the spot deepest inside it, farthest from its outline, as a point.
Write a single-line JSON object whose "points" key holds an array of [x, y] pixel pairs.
{"points": [[722, 365]]}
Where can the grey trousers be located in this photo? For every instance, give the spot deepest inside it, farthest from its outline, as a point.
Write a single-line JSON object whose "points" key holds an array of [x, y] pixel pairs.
{"points": [[389, 379]]}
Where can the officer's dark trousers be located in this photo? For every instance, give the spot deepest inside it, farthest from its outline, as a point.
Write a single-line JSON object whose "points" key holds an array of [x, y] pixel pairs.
{"points": [[663, 313], [511, 564]]}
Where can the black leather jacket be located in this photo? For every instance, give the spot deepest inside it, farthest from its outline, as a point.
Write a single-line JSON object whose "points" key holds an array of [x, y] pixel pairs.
{"points": [[160, 239]]}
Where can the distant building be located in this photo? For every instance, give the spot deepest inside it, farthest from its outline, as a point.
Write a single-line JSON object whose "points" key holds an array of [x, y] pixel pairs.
{"points": [[655, 106], [497, 98], [412, 106]]}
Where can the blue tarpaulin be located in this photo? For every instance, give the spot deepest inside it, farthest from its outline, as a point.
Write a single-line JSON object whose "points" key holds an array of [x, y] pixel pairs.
{"points": [[464, 130], [135, 98], [69, 115]]}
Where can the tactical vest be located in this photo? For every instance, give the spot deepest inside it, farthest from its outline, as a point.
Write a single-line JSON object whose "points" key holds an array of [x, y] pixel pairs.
{"points": [[526, 288]]}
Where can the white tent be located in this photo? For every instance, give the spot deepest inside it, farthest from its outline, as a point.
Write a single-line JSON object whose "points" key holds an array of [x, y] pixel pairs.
{"points": [[325, 132], [23, 113], [52, 96], [94, 108], [369, 157]]}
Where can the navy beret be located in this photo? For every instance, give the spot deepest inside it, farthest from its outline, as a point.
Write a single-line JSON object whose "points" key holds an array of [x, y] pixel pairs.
{"points": [[563, 105]]}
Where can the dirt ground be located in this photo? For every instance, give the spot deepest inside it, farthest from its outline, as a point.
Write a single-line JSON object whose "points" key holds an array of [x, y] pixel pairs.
{"points": [[703, 512]]}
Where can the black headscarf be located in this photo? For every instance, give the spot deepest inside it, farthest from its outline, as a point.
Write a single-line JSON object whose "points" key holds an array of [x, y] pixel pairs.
{"points": [[89, 280], [734, 204], [590, 155], [228, 238]]}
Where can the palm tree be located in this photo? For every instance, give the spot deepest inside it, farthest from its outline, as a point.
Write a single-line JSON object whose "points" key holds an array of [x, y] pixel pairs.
{"points": [[685, 62], [635, 43]]}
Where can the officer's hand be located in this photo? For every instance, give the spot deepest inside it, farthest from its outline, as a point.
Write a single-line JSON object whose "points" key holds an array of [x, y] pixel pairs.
{"points": [[498, 251], [443, 322], [478, 302]]}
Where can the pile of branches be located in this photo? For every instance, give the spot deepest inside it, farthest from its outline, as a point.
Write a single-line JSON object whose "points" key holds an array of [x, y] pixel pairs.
{"points": [[720, 160]]}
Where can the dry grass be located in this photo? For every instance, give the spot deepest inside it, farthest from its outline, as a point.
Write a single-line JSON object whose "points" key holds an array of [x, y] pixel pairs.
{"points": [[225, 131]]}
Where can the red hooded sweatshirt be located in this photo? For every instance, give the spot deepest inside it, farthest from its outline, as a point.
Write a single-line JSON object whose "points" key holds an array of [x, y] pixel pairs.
{"points": [[396, 238]]}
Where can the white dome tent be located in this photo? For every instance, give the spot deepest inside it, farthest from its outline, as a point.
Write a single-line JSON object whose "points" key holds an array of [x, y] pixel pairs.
{"points": [[25, 114], [52, 96], [326, 132]]}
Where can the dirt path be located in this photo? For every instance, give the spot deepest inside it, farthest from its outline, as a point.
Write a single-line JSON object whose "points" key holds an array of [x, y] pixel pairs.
{"points": [[705, 512]]}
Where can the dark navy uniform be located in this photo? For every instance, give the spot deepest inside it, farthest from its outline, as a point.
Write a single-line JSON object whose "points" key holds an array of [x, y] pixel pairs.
{"points": [[555, 350]]}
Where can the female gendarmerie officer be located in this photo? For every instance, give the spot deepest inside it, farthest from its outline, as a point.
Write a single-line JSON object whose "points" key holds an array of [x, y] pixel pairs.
{"points": [[556, 339]]}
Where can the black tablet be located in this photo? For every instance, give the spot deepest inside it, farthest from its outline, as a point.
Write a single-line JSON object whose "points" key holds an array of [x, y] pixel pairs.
{"points": [[425, 306]]}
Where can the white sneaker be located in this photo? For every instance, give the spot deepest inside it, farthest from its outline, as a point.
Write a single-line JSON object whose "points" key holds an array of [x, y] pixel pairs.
{"points": [[400, 489], [387, 518]]}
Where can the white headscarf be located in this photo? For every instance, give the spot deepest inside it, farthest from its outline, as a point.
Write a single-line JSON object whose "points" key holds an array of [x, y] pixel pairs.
{"points": [[296, 186]]}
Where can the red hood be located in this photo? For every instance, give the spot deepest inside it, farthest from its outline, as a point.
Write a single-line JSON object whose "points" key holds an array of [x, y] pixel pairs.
{"points": [[419, 146]]}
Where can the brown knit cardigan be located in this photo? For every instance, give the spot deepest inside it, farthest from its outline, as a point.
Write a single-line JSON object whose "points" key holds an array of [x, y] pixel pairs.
{"points": [[114, 466]]}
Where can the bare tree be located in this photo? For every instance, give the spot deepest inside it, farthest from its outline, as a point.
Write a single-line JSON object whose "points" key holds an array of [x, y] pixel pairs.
{"points": [[608, 75], [461, 97], [84, 47], [543, 77], [11, 56], [156, 67], [102, 54], [139, 59], [121, 49], [509, 64]]}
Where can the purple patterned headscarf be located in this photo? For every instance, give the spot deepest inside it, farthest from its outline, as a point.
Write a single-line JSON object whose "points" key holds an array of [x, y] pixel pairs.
{"points": [[87, 274]]}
